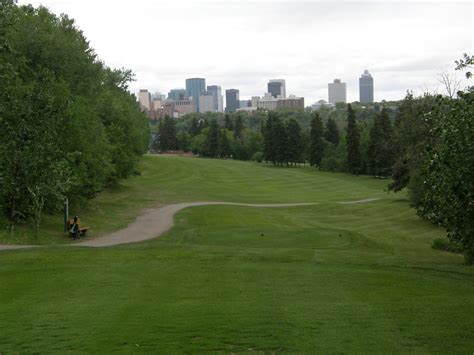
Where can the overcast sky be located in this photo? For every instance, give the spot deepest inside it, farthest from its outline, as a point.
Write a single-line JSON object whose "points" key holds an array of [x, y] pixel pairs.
{"points": [[242, 44]]}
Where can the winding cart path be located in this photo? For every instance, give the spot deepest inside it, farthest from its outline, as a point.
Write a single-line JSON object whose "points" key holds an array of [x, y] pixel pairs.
{"points": [[154, 223]]}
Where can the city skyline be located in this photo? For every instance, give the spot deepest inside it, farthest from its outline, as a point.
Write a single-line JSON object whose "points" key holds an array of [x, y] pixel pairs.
{"points": [[403, 45]]}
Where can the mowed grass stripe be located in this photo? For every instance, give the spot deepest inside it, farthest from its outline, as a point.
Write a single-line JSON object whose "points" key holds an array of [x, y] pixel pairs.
{"points": [[326, 278]]}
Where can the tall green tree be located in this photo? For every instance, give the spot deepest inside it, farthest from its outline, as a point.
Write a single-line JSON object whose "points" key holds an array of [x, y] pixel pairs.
{"points": [[331, 134], [294, 141], [238, 127], [280, 135], [353, 142], [316, 141], [269, 139], [212, 139], [380, 150], [228, 124], [447, 196]]}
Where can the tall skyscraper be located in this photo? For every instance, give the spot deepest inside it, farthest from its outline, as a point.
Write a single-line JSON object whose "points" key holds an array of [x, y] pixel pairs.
{"points": [[366, 87], [232, 103], [277, 87], [144, 98], [194, 88], [337, 91], [206, 102], [218, 99], [177, 94]]}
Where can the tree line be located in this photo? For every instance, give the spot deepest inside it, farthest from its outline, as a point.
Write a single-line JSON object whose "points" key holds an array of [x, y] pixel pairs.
{"points": [[423, 144], [69, 126]]}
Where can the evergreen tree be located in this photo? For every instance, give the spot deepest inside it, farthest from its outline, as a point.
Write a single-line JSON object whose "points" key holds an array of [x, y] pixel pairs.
{"points": [[380, 151], [294, 141], [168, 140], [194, 129], [332, 133], [280, 135], [353, 142], [224, 145], [212, 139], [269, 142], [239, 126], [316, 141], [228, 122]]}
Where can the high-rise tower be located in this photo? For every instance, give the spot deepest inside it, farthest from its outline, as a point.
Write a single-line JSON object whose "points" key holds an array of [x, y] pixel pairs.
{"points": [[194, 88], [366, 87]]}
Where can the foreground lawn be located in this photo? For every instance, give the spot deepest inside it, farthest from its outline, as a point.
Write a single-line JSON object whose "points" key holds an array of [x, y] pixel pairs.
{"points": [[328, 278]]}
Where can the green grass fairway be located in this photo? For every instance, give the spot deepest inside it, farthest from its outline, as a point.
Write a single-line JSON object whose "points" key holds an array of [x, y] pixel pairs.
{"points": [[328, 278]]}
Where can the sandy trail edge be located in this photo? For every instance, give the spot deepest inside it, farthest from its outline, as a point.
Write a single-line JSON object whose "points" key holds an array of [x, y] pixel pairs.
{"points": [[156, 222]]}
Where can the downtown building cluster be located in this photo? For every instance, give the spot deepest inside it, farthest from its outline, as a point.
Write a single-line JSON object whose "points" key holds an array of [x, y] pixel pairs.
{"points": [[197, 97]]}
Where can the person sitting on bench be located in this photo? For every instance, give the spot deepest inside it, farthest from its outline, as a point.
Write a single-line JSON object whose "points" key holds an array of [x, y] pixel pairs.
{"points": [[74, 231]]}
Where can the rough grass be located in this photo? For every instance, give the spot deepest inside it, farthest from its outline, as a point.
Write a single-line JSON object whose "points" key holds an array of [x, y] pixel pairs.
{"points": [[328, 278]]}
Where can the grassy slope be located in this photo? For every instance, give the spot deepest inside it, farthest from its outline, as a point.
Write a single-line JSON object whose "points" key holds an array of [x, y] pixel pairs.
{"points": [[327, 278]]}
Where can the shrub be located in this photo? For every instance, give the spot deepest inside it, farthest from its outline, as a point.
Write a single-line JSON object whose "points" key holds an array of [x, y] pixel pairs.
{"points": [[446, 245], [258, 157]]}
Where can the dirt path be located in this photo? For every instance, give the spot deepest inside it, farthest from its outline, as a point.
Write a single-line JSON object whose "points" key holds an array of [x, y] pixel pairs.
{"points": [[156, 222]]}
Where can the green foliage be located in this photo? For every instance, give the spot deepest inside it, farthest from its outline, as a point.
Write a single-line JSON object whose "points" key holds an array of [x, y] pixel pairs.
{"points": [[69, 125], [294, 141], [446, 245], [212, 140], [331, 134], [316, 141], [168, 139], [380, 149], [448, 175], [353, 142]]}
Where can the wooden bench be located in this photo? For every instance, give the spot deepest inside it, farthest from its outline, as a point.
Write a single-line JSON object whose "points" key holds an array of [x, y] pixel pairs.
{"points": [[82, 230]]}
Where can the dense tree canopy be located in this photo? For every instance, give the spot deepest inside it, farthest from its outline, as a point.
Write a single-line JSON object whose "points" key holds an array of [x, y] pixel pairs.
{"points": [[69, 125]]}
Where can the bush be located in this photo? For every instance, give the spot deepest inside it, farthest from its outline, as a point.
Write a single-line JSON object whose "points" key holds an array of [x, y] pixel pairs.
{"points": [[446, 245], [258, 157]]}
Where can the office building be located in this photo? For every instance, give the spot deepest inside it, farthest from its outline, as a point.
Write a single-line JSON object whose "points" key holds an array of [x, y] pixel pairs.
{"points": [[277, 88], [206, 102], [177, 94], [232, 103], [291, 102], [267, 102], [366, 88], [144, 98], [255, 100], [194, 88], [218, 99], [337, 92], [245, 103], [184, 107]]}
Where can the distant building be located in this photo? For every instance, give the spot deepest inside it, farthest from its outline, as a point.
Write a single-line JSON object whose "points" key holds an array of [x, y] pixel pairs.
{"points": [[144, 98], [255, 100], [232, 103], [158, 96], [177, 94], [337, 92], [321, 103], [366, 88], [270, 103], [206, 102], [291, 102], [245, 103], [218, 99], [184, 107], [194, 88], [156, 105], [277, 88], [267, 102]]}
